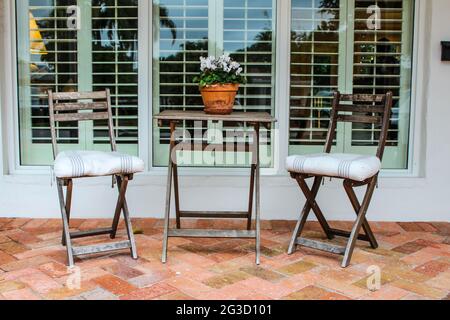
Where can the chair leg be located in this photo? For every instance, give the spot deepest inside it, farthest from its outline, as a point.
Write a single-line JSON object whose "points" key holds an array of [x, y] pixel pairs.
{"points": [[358, 223], [68, 206], [122, 185], [357, 207], [303, 217], [311, 199], [65, 221]]}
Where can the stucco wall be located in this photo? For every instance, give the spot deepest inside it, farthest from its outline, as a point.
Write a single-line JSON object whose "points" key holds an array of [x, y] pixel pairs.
{"points": [[421, 198]]}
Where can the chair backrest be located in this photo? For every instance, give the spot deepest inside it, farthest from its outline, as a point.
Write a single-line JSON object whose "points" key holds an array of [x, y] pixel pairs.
{"points": [[66, 107], [361, 108]]}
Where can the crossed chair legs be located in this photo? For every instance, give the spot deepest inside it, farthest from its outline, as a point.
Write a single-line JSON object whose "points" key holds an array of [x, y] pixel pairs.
{"points": [[121, 207], [311, 204], [360, 210]]}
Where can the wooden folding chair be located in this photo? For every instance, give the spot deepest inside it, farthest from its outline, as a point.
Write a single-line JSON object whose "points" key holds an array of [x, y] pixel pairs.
{"points": [[70, 165], [355, 170]]}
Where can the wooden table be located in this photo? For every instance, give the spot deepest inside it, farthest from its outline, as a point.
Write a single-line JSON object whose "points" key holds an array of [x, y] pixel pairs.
{"points": [[254, 119]]}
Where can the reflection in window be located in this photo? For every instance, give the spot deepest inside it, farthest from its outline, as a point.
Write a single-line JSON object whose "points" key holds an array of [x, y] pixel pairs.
{"points": [[314, 69], [115, 66], [185, 34]]}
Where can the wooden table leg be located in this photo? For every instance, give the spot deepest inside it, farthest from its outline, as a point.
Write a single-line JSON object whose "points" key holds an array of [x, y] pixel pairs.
{"points": [[258, 196], [168, 192], [251, 195]]}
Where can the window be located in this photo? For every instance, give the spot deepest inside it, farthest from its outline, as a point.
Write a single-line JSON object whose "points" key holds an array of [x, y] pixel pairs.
{"points": [[189, 29], [336, 44], [100, 52]]}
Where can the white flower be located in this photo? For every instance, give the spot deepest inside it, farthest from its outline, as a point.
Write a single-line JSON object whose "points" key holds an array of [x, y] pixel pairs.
{"points": [[235, 65], [224, 63]]}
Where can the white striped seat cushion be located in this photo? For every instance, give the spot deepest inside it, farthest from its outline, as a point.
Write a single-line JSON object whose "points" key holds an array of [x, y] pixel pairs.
{"points": [[75, 164], [347, 166]]}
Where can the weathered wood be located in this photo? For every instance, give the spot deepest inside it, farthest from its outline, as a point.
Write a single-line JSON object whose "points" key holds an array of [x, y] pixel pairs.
{"points": [[67, 117], [385, 126], [127, 218], [168, 192], [322, 246], [59, 185], [119, 205], [55, 106], [254, 117], [176, 195], [381, 105], [357, 206], [214, 214], [256, 160], [304, 216], [251, 193], [202, 146], [90, 233], [346, 234], [79, 95], [68, 203], [363, 97], [360, 108], [208, 233], [310, 197], [80, 106], [359, 119], [173, 177], [106, 247], [361, 217]]}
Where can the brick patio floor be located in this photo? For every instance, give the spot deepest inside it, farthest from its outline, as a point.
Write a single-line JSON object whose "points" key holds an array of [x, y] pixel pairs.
{"points": [[414, 259]]}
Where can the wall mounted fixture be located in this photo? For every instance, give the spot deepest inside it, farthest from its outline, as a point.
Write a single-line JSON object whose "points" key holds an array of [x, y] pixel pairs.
{"points": [[445, 50]]}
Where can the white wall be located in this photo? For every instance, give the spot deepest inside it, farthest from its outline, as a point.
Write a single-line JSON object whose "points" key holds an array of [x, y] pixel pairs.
{"points": [[423, 198]]}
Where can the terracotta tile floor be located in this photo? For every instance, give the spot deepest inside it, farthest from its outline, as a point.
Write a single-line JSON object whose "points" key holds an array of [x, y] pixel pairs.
{"points": [[414, 259]]}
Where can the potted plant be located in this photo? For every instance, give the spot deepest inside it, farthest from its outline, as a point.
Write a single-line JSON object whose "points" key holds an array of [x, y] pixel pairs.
{"points": [[219, 82]]}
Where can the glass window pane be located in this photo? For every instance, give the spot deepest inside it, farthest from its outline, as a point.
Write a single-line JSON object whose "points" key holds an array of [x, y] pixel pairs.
{"points": [[314, 70], [53, 55]]}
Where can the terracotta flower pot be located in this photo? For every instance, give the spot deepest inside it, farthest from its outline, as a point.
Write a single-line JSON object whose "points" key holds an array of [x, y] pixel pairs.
{"points": [[219, 98]]}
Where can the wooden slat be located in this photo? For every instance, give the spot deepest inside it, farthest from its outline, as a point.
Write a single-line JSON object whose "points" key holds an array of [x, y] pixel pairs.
{"points": [[77, 251], [80, 106], [79, 95], [89, 233], [197, 233], [360, 108], [363, 97], [81, 116], [322, 246], [202, 146], [174, 115], [346, 234], [211, 214], [359, 119]]}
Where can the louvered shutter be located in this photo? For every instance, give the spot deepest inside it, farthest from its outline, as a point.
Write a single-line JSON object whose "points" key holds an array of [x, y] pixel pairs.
{"points": [[382, 62], [315, 65], [248, 37], [115, 66], [334, 46], [48, 61], [181, 39]]}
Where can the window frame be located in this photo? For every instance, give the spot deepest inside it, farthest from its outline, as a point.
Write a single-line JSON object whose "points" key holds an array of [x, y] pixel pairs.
{"points": [[281, 136]]}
